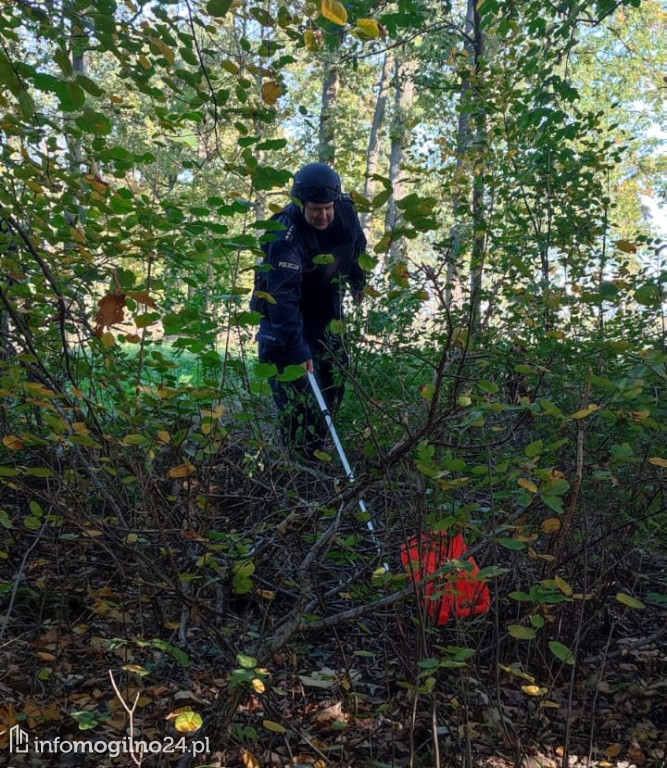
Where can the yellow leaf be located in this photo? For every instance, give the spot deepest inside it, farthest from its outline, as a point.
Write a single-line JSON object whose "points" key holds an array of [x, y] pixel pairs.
{"points": [[369, 27], [626, 246], [657, 461], [13, 443], [310, 40], [585, 412], [249, 760], [258, 685], [271, 92], [275, 727], [144, 61], [529, 485], [639, 415], [80, 428], [164, 437], [550, 525], [182, 470], [517, 673], [132, 538], [564, 587], [630, 601], [533, 690], [137, 669], [132, 338], [107, 339], [335, 12], [188, 722]]}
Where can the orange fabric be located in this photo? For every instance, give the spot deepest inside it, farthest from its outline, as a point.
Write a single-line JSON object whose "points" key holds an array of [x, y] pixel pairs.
{"points": [[458, 592]]}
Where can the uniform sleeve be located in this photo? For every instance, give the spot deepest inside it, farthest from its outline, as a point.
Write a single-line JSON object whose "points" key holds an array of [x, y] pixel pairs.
{"points": [[357, 276], [284, 285]]}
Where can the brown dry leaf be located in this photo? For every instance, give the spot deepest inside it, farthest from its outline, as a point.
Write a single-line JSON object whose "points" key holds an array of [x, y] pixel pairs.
{"points": [[613, 751], [141, 297], [182, 470], [331, 714], [13, 443], [271, 92], [636, 755], [111, 311]]}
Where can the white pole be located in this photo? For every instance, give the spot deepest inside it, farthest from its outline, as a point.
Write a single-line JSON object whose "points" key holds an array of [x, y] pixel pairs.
{"points": [[341, 453]]}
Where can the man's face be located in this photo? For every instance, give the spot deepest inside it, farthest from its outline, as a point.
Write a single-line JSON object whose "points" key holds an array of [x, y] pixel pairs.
{"points": [[318, 215]]}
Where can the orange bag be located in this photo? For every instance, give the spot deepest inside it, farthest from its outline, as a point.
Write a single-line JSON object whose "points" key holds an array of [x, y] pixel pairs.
{"points": [[460, 592]]}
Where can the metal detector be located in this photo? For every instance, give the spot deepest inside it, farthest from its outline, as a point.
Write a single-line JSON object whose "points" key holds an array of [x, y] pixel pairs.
{"points": [[346, 464]]}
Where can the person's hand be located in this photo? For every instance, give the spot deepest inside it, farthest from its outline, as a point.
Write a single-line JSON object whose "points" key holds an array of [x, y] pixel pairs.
{"points": [[308, 366]]}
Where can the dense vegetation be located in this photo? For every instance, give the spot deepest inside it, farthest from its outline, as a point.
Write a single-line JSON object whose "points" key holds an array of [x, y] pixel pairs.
{"points": [[162, 556]]}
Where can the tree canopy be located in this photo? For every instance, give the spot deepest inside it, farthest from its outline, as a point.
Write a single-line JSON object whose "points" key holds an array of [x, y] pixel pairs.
{"points": [[507, 381]]}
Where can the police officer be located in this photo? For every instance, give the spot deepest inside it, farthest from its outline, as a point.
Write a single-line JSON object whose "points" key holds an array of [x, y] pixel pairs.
{"points": [[301, 292]]}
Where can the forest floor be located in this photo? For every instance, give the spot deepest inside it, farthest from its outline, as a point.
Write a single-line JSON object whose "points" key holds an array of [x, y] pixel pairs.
{"points": [[83, 612]]}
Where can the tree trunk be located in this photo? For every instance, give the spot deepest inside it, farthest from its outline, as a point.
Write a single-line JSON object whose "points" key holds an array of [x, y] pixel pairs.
{"points": [[403, 97], [326, 148], [373, 157], [471, 138]]}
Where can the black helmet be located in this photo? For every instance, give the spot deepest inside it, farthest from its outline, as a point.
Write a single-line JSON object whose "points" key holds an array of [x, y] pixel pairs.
{"points": [[316, 183]]}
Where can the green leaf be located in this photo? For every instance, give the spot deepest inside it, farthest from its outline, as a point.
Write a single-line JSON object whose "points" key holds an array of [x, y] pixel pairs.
{"points": [[291, 373], [324, 258], [26, 103], [558, 486], [521, 633], [367, 262], [511, 544], [630, 601], [648, 295], [40, 472], [245, 319], [176, 653], [265, 370], [553, 502], [532, 449], [93, 122], [561, 652], [246, 662]]}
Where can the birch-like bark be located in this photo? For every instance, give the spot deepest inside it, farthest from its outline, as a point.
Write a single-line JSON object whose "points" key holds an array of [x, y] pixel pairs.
{"points": [[403, 96], [373, 156], [326, 148]]}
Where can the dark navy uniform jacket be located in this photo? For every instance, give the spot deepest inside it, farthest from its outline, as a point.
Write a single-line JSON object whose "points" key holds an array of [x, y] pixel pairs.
{"points": [[308, 271]]}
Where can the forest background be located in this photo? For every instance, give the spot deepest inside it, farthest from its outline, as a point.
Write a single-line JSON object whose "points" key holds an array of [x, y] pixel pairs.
{"points": [[164, 564]]}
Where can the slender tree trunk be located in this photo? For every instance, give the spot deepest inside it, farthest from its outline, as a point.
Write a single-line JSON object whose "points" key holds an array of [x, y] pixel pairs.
{"points": [[470, 144], [326, 148], [373, 157], [403, 97]]}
